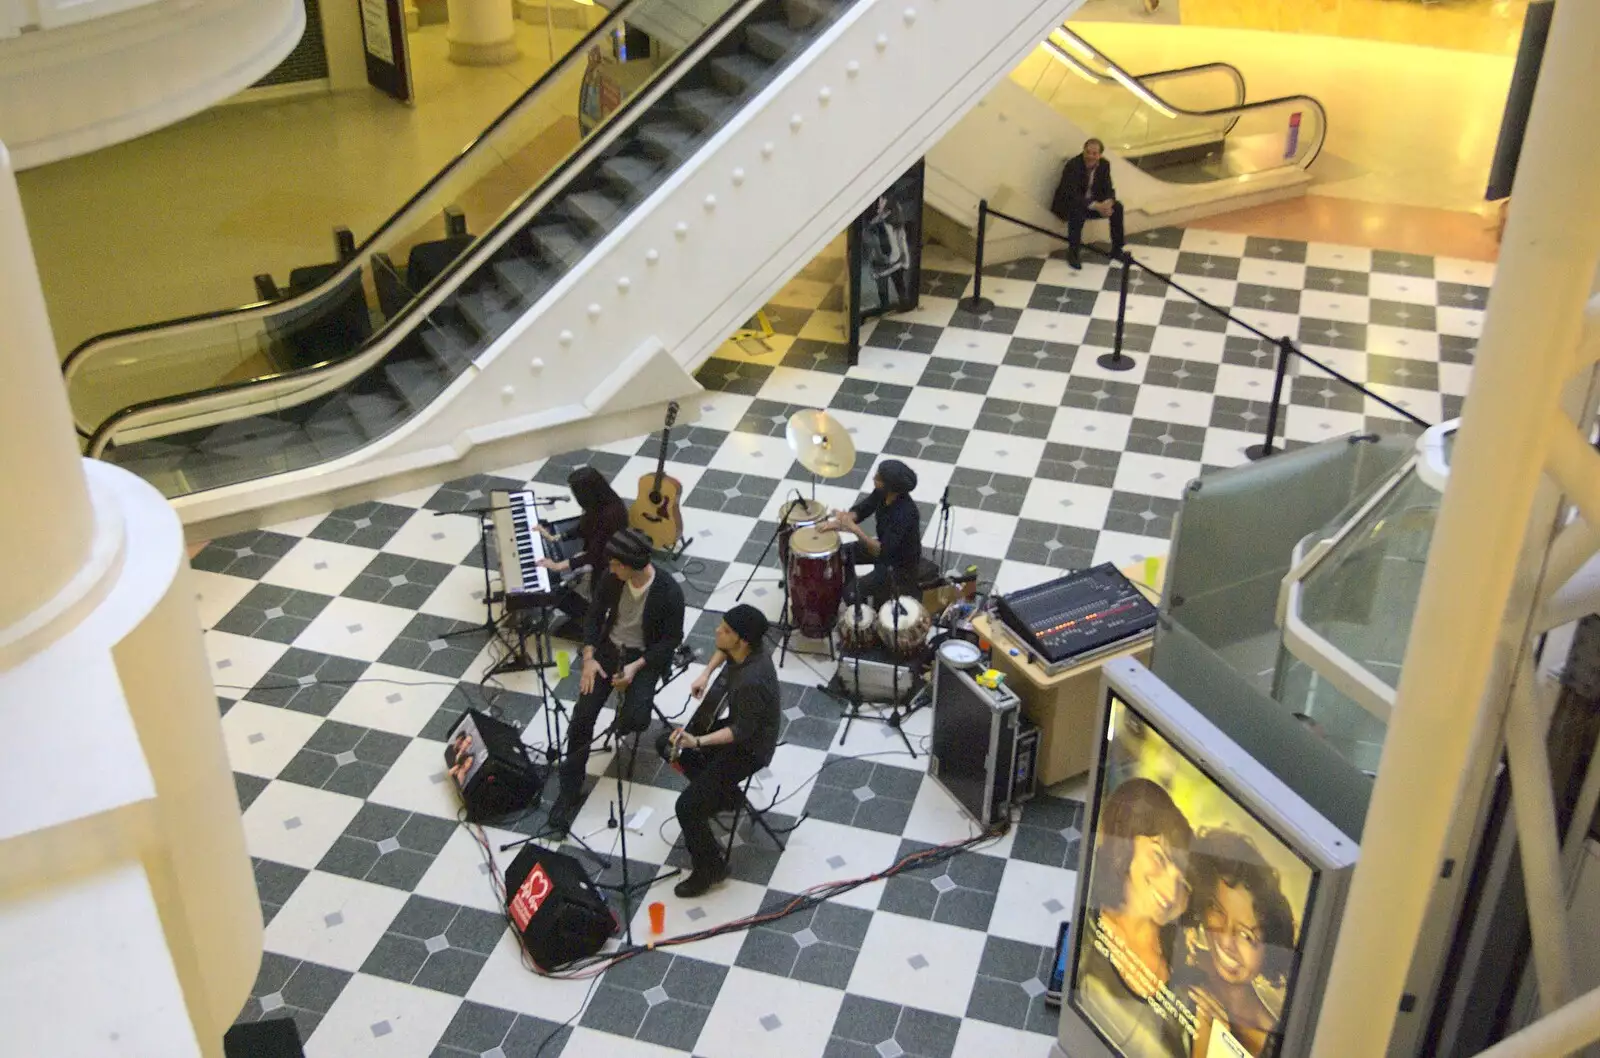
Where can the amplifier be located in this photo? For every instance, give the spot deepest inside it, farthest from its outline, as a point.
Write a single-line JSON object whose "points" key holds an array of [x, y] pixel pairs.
{"points": [[983, 752], [559, 912], [491, 767]]}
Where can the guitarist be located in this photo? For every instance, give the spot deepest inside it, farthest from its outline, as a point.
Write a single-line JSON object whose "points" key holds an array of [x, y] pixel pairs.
{"points": [[603, 517], [717, 757], [634, 625]]}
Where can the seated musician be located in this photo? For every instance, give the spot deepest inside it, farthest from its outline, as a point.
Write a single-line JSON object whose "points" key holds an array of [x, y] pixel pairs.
{"points": [[720, 756], [897, 548], [634, 625], [604, 515]]}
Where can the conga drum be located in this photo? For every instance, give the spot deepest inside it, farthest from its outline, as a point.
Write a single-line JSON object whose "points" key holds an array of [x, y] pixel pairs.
{"points": [[796, 514], [816, 581]]}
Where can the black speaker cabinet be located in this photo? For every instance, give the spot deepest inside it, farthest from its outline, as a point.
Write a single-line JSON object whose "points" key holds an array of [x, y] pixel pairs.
{"points": [[556, 908], [983, 750], [491, 767], [276, 1038]]}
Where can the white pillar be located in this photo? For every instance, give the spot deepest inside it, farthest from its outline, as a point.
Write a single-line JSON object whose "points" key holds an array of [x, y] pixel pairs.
{"points": [[46, 530], [482, 32], [1478, 590], [129, 919]]}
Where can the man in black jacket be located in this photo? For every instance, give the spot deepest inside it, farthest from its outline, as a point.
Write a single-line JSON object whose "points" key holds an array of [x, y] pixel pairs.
{"points": [[897, 549], [729, 751], [1086, 188], [630, 633]]}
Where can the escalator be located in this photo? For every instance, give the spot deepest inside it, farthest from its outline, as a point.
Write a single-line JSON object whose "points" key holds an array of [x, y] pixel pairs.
{"points": [[1188, 141], [416, 317], [1192, 125]]}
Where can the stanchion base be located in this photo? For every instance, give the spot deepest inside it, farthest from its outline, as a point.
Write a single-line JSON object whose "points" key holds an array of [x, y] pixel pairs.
{"points": [[1261, 451], [977, 306], [1114, 362]]}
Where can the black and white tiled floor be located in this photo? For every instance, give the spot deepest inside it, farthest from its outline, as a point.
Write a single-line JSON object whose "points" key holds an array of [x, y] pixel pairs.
{"points": [[333, 643]]}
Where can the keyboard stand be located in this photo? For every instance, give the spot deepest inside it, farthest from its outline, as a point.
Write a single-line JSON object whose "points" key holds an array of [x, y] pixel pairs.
{"points": [[489, 624]]}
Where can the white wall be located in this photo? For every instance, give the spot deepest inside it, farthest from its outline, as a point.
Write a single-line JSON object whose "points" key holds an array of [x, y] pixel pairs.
{"points": [[712, 244]]}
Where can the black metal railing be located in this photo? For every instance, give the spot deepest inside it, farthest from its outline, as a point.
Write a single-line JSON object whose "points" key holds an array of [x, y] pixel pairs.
{"points": [[1115, 360]]}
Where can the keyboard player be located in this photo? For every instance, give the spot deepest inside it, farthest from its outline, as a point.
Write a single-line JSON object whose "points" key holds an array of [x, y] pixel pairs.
{"points": [[604, 515]]}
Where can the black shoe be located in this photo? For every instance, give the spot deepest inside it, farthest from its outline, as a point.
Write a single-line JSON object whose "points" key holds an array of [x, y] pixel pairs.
{"points": [[701, 881], [1075, 259]]}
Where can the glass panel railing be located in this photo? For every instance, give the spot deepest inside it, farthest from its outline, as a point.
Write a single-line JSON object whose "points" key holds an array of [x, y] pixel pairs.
{"points": [[434, 325], [330, 310], [1191, 125]]}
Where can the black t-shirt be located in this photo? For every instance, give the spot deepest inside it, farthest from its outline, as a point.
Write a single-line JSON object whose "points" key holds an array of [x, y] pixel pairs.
{"points": [[753, 705], [899, 532]]}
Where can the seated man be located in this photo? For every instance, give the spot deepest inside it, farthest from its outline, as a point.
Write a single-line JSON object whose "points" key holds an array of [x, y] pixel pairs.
{"points": [[897, 549], [1086, 188], [633, 626], [733, 749]]}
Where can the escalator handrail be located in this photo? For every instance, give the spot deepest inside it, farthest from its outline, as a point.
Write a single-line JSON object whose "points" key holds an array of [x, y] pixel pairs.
{"points": [[1084, 70], [1231, 111], [69, 365], [374, 348]]}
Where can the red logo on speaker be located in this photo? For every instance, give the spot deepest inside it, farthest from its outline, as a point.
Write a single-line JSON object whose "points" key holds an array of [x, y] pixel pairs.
{"points": [[530, 896]]}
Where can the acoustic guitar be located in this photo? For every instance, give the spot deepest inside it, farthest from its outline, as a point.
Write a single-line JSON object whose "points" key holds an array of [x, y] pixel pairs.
{"points": [[655, 512]]}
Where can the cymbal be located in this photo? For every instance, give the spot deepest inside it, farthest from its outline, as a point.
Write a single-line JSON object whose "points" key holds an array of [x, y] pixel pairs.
{"points": [[821, 444]]}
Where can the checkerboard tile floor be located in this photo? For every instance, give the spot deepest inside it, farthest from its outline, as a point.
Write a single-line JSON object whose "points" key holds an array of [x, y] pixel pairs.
{"points": [[344, 647]]}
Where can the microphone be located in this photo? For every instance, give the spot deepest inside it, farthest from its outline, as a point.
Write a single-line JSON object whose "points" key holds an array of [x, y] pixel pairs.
{"points": [[578, 571], [945, 500]]}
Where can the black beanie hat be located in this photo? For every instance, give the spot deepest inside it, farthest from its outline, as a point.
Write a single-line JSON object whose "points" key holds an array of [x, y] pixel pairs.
{"points": [[747, 622], [630, 547], [897, 477]]}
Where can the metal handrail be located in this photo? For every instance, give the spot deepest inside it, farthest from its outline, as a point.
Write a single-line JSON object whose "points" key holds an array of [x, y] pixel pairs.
{"points": [[316, 379], [348, 267]]}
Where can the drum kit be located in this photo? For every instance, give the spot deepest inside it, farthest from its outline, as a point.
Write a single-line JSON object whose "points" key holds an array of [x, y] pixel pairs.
{"points": [[812, 557]]}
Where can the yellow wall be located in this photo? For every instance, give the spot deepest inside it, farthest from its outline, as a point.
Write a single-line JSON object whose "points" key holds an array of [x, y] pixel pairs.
{"points": [[1492, 26]]}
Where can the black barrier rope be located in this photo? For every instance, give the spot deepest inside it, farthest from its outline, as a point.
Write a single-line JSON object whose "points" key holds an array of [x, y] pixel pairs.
{"points": [[1116, 361]]}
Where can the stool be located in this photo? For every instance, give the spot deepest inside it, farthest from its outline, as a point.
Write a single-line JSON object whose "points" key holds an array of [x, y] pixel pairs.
{"points": [[759, 817]]}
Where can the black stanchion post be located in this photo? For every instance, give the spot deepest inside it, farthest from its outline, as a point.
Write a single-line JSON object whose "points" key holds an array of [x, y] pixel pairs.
{"points": [[1265, 448], [977, 303], [1114, 360]]}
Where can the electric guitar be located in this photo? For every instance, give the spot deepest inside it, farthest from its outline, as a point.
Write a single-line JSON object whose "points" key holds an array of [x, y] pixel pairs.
{"points": [[656, 513]]}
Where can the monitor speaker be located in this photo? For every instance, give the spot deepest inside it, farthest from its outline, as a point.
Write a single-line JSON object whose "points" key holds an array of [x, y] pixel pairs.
{"points": [[491, 767], [559, 912]]}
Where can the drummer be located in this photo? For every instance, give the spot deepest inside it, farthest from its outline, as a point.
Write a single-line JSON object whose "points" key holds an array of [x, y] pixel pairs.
{"points": [[897, 548]]}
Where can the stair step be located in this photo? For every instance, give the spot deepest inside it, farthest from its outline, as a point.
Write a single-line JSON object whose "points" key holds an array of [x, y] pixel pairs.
{"points": [[703, 107], [803, 13], [333, 429], [557, 245], [594, 211], [375, 413], [450, 347], [415, 381], [523, 275], [739, 74], [486, 309], [631, 175], [773, 41], [667, 140]]}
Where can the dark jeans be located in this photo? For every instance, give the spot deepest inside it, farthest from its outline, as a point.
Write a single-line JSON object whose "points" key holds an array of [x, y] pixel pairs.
{"points": [[633, 714], [1081, 213], [715, 776]]}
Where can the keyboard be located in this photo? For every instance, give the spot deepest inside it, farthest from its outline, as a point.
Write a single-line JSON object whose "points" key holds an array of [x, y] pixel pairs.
{"points": [[519, 547]]}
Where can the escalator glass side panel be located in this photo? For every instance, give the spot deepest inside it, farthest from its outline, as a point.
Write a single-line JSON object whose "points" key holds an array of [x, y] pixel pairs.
{"points": [[538, 239]]}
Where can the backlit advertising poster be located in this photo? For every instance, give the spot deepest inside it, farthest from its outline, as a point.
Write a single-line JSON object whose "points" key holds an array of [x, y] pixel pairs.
{"points": [[1191, 921]]}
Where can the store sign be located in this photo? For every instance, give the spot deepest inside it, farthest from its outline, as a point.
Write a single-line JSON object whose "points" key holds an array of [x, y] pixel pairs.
{"points": [[1292, 146], [383, 31]]}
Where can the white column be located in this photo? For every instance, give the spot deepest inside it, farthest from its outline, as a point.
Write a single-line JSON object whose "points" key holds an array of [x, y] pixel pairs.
{"points": [[48, 524], [482, 32], [129, 919], [1478, 589]]}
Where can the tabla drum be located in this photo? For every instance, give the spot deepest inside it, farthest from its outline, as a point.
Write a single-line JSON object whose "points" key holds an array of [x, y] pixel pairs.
{"points": [[858, 627], [903, 626], [816, 581], [961, 654], [796, 514]]}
